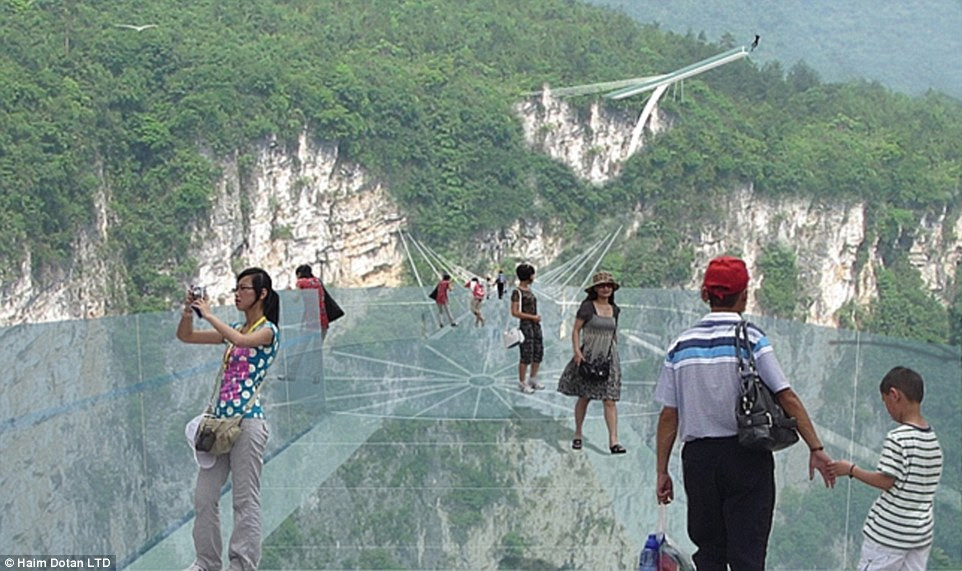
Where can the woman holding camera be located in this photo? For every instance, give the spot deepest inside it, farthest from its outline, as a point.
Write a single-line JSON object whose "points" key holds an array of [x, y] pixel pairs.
{"points": [[594, 371], [252, 345]]}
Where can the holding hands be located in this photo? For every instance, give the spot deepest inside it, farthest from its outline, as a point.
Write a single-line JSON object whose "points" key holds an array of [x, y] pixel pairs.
{"points": [[841, 468], [819, 460]]}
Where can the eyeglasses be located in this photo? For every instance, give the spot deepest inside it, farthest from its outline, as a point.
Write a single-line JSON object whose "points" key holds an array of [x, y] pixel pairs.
{"points": [[239, 288], [609, 286]]}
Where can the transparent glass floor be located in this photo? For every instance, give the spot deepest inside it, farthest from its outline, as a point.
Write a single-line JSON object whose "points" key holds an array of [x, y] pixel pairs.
{"points": [[396, 444]]}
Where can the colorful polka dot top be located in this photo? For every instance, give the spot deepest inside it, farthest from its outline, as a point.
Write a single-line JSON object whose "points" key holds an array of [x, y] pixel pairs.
{"points": [[244, 371]]}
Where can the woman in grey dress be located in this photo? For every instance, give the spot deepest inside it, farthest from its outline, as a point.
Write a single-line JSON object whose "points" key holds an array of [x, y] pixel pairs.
{"points": [[594, 338]]}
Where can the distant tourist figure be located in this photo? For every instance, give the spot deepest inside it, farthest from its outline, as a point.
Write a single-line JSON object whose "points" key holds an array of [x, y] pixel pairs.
{"points": [[441, 292], [898, 531], [755, 43], [501, 281], [524, 306], [594, 338], [477, 296], [251, 349], [306, 280], [730, 488]]}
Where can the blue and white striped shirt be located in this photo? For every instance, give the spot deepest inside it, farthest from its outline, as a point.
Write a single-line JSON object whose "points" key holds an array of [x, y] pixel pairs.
{"points": [[700, 376]]}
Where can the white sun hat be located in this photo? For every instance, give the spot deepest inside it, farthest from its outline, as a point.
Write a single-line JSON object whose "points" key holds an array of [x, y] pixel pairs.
{"points": [[204, 459]]}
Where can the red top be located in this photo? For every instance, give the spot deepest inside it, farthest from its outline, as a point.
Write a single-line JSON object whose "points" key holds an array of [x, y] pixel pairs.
{"points": [[477, 290], [314, 283], [443, 287]]}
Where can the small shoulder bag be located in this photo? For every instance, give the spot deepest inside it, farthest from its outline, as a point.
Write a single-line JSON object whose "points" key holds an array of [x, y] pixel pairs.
{"points": [[762, 423]]}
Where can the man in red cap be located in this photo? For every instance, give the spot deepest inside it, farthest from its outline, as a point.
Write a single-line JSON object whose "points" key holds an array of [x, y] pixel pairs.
{"points": [[730, 488]]}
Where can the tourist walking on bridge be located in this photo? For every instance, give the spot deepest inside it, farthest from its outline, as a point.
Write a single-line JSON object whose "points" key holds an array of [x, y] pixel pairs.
{"points": [[306, 280], [441, 297], [594, 371], [524, 306], [251, 348], [730, 488], [477, 297]]}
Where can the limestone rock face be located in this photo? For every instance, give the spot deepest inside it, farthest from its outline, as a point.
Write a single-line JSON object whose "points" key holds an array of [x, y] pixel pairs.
{"points": [[296, 206], [594, 147], [284, 206], [826, 238]]}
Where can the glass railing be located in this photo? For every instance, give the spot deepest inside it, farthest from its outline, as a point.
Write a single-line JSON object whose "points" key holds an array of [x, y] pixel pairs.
{"points": [[408, 446]]}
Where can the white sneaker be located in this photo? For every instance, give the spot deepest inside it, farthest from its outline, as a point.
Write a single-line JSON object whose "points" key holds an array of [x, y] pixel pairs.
{"points": [[195, 567], [535, 385], [526, 389]]}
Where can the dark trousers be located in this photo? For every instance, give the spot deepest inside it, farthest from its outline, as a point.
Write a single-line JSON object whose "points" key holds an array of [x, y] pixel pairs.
{"points": [[731, 496]]}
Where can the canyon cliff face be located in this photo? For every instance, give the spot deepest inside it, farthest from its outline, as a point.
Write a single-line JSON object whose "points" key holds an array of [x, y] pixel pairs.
{"points": [[306, 204], [296, 206], [826, 238]]}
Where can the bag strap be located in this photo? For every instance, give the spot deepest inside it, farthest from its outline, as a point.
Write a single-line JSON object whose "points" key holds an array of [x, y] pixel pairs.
{"points": [[746, 365], [223, 367]]}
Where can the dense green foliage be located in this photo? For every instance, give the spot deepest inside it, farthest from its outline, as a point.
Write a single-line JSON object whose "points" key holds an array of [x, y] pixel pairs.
{"points": [[778, 294], [422, 94], [908, 46], [903, 309]]}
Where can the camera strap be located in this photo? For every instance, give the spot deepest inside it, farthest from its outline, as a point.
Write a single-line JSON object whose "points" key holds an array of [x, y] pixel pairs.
{"points": [[223, 367]]}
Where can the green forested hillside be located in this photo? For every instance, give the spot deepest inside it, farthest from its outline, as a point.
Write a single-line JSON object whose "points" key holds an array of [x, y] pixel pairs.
{"points": [[420, 93]]}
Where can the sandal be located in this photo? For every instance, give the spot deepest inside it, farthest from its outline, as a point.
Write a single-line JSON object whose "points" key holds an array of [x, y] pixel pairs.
{"points": [[617, 449], [576, 444]]}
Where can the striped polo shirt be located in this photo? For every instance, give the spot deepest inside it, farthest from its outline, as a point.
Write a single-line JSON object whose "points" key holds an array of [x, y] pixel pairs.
{"points": [[901, 517], [700, 376]]}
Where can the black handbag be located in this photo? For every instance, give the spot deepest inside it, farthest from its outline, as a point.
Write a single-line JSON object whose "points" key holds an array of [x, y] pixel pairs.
{"points": [[331, 308], [599, 371], [594, 372], [762, 423], [434, 293]]}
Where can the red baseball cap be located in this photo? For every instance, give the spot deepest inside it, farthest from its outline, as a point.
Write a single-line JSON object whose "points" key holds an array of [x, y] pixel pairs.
{"points": [[725, 276]]}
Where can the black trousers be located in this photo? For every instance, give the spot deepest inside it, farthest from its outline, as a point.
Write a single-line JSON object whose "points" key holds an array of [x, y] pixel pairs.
{"points": [[731, 497]]}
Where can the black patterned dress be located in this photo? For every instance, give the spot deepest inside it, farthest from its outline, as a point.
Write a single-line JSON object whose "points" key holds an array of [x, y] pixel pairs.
{"points": [[532, 348], [597, 335]]}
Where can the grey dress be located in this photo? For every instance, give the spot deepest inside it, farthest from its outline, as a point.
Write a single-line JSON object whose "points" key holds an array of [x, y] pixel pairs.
{"points": [[596, 337]]}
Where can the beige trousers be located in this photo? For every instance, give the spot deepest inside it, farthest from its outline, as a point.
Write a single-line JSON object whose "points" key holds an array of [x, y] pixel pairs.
{"points": [[243, 463]]}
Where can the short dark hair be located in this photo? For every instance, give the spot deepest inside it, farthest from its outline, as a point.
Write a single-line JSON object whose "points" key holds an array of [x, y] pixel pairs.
{"points": [[724, 301], [524, 272], [446, 277], [905, 380], [304, 271]]}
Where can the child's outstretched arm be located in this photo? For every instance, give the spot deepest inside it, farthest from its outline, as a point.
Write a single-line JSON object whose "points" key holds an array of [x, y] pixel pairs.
{"points": [[873, 478]]}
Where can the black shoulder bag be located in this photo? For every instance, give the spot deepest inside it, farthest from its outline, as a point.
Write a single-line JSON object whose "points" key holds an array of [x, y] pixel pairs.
{"points": [[331, 308], [762, 423]]}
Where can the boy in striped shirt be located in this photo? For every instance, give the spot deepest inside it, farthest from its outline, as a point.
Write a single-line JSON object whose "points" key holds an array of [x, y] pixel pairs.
{"points": [[898, 528]]}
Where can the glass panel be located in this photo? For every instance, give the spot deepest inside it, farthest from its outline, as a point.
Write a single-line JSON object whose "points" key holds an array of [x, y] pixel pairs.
{"points": [[396, 443]]}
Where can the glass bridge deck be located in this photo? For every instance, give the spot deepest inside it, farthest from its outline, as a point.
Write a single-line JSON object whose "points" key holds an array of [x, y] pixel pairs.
{"points": [[396, 444]]}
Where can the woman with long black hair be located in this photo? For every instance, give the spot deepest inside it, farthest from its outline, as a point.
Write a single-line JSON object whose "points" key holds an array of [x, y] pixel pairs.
{"points": [[251, 349]]}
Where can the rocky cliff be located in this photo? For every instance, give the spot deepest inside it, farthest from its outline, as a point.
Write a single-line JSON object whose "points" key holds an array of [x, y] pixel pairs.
{"points": [[306, 204], [836, 254]]}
